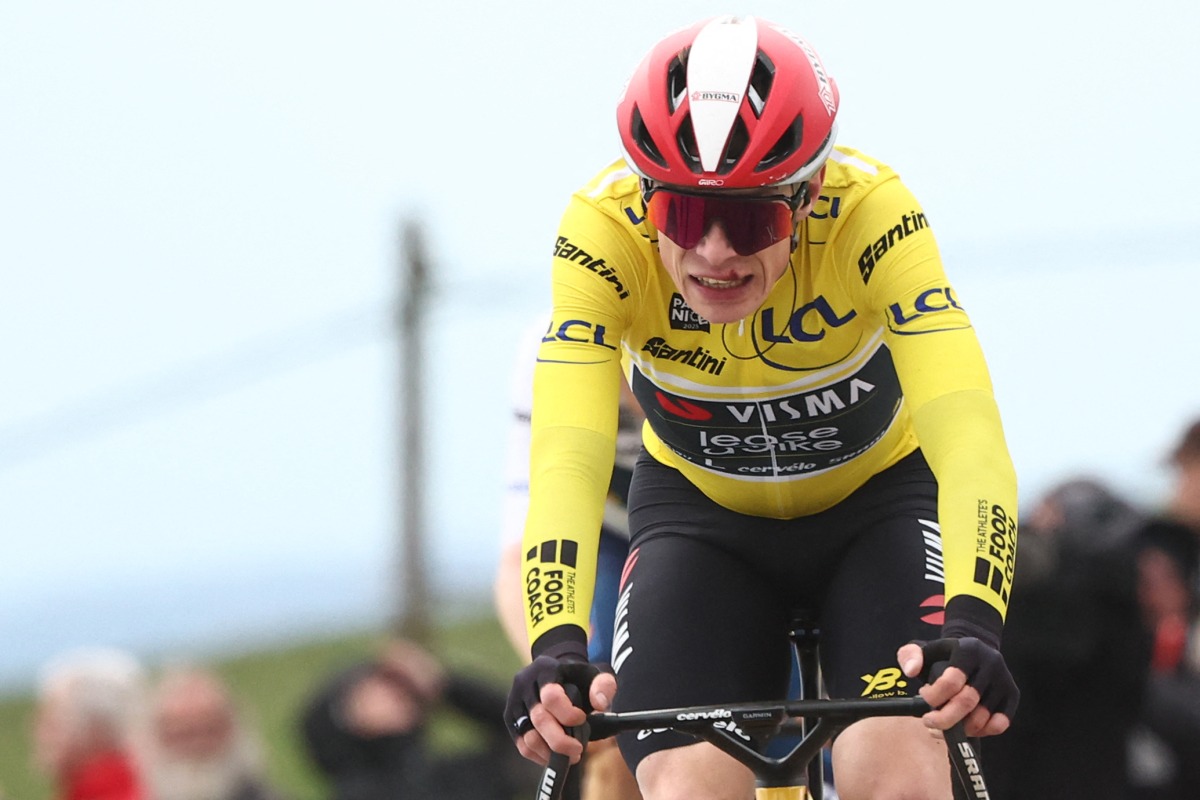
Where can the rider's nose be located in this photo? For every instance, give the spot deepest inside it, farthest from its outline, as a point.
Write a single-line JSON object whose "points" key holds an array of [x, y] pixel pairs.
{"points": [[715, 246]]}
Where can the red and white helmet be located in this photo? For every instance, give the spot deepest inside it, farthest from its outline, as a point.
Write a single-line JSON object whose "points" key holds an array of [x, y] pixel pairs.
{"points": [[732, 102]]}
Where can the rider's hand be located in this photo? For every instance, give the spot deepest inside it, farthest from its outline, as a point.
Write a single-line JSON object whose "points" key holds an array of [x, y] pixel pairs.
{"points": [[976, 685], [540, 705]]}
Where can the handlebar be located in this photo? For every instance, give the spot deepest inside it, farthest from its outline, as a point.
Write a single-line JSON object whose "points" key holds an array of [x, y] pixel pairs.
{"points": [[732, 727]]}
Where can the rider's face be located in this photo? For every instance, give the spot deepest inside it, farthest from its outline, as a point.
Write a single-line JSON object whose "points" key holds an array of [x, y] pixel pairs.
{"points": [[718, 283]]}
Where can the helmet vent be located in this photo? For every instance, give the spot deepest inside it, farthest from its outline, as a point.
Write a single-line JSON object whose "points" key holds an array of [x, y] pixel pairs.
{"points": [[686, 139], [677, 81], [786, 145], [739, 138], [761, 77], [645, 142]]}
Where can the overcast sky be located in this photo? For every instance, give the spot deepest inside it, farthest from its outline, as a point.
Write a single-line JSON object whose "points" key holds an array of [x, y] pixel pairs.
{"points": [[199, 216]]}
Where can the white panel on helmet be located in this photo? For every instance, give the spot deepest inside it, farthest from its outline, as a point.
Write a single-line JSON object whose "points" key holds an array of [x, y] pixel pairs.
{"points": [[718, 72]]}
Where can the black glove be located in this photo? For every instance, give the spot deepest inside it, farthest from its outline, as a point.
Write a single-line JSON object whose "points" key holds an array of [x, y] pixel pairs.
{"points": [[982, 664], [571, 670]]}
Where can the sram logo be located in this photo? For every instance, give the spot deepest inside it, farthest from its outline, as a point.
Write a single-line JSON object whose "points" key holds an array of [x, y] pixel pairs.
{"points": [[546, 790], [971, 762]]}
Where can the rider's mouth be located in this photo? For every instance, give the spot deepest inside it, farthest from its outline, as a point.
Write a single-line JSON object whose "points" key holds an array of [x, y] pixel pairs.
{"points": [[715, 283]]}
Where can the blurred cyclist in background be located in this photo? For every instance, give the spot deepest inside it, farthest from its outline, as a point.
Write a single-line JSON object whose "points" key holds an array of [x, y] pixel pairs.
{"points": [[606, 776], [822, 431]]}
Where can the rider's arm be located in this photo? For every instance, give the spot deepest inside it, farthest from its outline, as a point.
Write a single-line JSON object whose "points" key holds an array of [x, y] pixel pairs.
{"points": [[507, 587], [574, 426], [948, 394]]}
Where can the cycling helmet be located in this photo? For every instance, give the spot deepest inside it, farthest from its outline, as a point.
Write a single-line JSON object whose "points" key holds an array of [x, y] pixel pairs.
{"points": [[731, 102]]}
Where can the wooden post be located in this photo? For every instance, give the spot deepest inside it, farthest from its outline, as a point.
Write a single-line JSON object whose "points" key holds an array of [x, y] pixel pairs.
{"points": [[411, 618]]}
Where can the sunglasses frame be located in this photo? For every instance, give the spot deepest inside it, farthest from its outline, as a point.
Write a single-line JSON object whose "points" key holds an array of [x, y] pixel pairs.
{"points": [[794, 202]]}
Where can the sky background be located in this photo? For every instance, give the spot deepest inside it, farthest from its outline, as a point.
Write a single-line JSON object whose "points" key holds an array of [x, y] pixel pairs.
{"points": [[200, 210]]}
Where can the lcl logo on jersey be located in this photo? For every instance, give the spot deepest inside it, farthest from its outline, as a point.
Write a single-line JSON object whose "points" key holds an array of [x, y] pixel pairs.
{"points": [[826, 207], [578, 330], [930, 301], [808, 323]]}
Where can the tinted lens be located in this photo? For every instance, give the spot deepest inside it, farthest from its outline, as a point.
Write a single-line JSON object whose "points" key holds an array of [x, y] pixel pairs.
{"points": [[750, 224]]}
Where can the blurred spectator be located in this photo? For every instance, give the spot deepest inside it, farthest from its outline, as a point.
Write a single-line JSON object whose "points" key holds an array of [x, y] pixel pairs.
{"points": [[88, 706], [1169, 558], [1074, 643], [197, 746], [1185, 499], [1168, 564], [366, 730]]}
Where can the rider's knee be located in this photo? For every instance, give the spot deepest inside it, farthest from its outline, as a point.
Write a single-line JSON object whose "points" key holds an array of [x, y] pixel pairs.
{"points": [[695, 772], [605, 775], [891, 759]]}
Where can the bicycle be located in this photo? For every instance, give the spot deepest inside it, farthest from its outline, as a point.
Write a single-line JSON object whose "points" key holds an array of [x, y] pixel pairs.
{"points": [[797, 775]]}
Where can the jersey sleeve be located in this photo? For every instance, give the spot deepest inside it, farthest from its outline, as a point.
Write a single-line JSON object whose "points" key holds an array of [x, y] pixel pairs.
{"points": [[948, 393], [515, 500], [574, 425]]}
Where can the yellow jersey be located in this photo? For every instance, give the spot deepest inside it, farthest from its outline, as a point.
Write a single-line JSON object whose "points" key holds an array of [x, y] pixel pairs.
{"points": [[861, 353]]}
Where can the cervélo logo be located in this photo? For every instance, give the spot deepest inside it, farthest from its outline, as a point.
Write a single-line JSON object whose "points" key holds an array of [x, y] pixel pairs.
{"points": [[682, 317]]}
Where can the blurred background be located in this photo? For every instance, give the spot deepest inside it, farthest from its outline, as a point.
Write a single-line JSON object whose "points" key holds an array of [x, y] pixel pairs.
{"points": [[201, 217]]}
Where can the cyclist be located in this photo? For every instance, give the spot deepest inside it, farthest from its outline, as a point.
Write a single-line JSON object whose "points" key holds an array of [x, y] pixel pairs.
{"points": [[606, 775], [822, 431]]}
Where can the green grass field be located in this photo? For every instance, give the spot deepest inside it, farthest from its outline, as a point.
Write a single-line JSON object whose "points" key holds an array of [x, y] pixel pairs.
{"points": [[271, 687]]}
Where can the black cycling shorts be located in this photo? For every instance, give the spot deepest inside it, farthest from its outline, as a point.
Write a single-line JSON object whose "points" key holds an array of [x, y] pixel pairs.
{"points": [[707, 594]]}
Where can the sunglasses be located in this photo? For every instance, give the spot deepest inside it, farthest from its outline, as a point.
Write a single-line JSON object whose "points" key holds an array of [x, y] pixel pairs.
{"points": [[750, 223]]}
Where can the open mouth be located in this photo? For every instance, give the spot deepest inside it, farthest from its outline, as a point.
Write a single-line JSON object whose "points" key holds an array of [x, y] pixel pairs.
{"points": [[713, 283]]}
